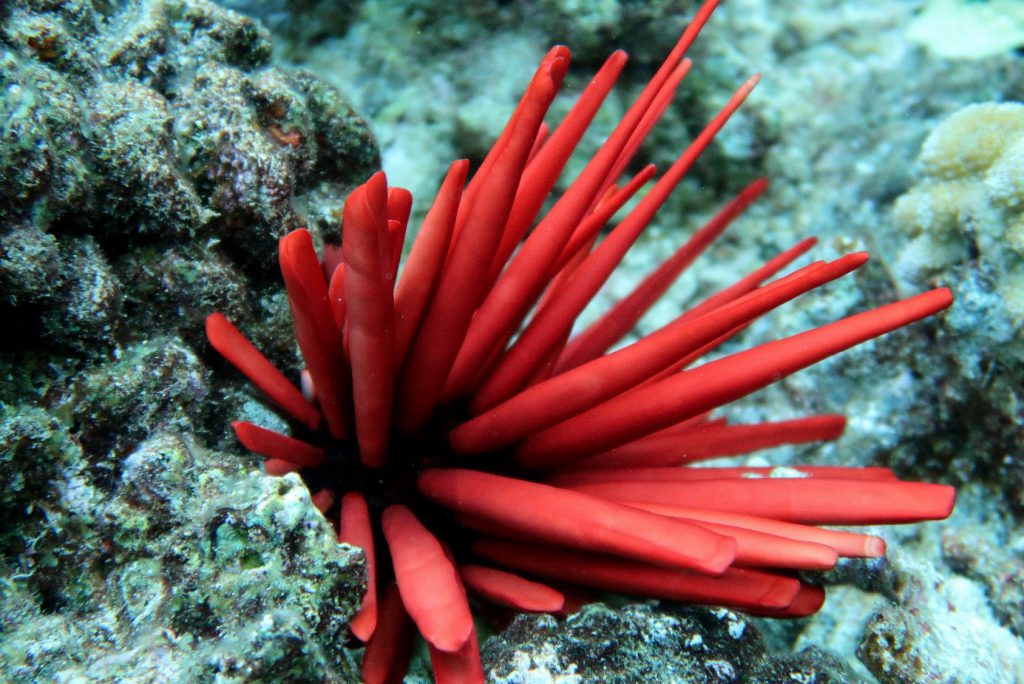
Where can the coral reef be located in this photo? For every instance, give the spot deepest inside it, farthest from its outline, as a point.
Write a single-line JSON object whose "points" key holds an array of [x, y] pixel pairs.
{"points": [[908, 640], [131, 552], [969, 207], [300, 22], [437, 80], [963, 221], [174, 568], [144, 124], [103, 401], [122, 224], [990, 551], [34, 448], [643, 29], [640, 644]]}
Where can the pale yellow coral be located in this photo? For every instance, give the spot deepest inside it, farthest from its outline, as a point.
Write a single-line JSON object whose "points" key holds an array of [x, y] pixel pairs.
{"points": [[972, 140], [1005, 178], [938, 209], [969, 205]]}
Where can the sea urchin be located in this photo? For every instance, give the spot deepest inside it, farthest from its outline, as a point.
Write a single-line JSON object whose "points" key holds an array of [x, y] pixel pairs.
{"points": [[464, 441]]}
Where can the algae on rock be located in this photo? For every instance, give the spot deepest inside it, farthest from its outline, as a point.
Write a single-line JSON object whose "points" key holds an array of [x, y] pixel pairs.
{"points": [[637, 643], [129, 127], [177, 567], [150, 154]]}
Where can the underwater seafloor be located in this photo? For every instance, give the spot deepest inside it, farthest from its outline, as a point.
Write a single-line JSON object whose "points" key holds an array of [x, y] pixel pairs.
{"points": [[149, 162]]}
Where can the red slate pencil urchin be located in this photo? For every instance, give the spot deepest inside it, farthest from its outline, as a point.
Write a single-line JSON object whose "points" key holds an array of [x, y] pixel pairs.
{"points": [[465, 442]]}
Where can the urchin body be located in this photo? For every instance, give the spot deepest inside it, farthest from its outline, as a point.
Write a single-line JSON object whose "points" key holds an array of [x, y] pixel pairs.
{"points": [[460, 435]]}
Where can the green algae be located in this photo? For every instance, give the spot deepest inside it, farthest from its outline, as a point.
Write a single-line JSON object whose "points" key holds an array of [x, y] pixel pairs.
{"points": [[204, 573]]}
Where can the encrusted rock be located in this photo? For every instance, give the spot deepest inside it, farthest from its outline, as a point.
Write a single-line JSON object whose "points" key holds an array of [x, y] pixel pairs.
{"points": [[643, 644], [181, 570]]}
